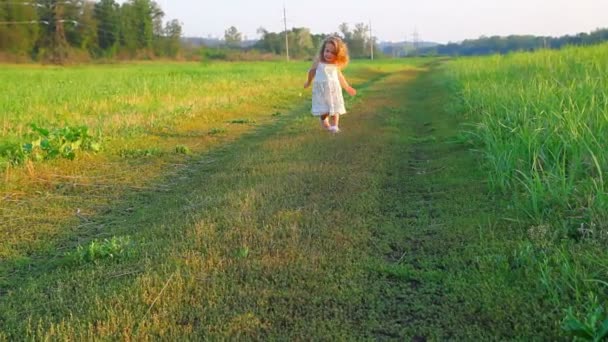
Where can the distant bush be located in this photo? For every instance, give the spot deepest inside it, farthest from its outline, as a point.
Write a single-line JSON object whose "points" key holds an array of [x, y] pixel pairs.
{"points": [[226, 54]]}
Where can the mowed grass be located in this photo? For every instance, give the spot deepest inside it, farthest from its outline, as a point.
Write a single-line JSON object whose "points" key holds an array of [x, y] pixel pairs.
{"points": [[204, 245], [149, 119], [125, 100], [540, 123], [146, 117]]}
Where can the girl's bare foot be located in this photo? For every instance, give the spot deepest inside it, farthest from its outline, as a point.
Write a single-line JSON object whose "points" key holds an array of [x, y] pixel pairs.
{"points": [[325, 124]]}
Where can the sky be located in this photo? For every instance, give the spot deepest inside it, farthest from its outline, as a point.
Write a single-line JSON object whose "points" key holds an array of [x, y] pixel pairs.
{"points": [[439, 21]]}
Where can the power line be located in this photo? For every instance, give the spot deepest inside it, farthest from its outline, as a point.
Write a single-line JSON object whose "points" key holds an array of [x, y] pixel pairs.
{"points": [[117, 37], [44, 22], [58, 22], [48, 22], [70, 21], [24, 22], [38, 4], [25, 4]]}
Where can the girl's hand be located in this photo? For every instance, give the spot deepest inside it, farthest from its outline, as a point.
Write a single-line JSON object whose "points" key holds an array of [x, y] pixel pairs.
{"points": [[351, 91], [306, 85]]}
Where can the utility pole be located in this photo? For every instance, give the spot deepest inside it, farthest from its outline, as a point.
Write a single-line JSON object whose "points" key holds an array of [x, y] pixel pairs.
{"points": [[371, 41], [59, 43], [416, 41], [286, 38]]}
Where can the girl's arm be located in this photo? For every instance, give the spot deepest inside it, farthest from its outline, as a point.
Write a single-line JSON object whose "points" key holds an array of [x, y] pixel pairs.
{"points": [[350, 90], [311, 73]]}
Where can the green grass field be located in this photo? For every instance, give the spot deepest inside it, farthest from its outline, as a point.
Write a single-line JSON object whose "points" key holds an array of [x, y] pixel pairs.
{"points": [[540, 123], [543, 121], [147, 119], [217, 208]]}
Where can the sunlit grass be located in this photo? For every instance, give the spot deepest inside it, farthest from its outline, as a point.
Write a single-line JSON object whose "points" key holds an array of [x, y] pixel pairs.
{"points": [[543, 125], [540, 121], [227, 243], [145, 116], [258, 225], [114, 99]]}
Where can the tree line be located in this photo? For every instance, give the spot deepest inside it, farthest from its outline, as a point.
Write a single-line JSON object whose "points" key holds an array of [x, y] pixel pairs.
{"points": [[501, 45], [303, 44], [64, 30], [60, 30]]}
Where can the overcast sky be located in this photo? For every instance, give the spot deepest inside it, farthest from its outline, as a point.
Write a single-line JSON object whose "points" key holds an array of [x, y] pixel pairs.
{"points": [[392, 20]]}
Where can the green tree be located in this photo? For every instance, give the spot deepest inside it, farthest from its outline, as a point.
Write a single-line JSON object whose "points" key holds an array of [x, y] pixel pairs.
{"points": [[137, 19], [142, 23], [358, 41], [233, 37], [107, 15], [317, 40], [59, 22], [345, 30], [304, 42], [157, 20], [3, 28], [20, 37], [72, 20], [87, 27], [173, 33], [270, 42]]}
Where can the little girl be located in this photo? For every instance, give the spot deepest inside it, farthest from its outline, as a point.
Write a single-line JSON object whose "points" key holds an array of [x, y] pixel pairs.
{"points": [[327, 100]]}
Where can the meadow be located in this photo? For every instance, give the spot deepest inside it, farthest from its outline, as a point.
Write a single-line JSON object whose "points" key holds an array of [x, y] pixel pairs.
{"points": [[542, 120], [139, 120], [539, 122], [153, 123], [143, 117], [463, 200]]}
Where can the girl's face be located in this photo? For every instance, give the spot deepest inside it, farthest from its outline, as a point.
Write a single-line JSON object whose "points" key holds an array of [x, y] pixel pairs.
{"points": [[329, 53]]}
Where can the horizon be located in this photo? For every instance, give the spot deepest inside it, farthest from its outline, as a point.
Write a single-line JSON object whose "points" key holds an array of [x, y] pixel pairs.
{"points": [[437, 21], [411, 41]]}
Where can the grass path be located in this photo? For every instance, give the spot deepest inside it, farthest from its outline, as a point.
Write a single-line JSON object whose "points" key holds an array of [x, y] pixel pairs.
{"points": [[289, 232], [433, 203]]}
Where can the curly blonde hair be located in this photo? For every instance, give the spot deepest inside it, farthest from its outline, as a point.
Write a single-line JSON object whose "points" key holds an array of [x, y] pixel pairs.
{"points": [[341, 50]]}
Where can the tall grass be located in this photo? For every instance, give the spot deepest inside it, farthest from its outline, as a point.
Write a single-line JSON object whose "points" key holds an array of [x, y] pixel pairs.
{"points": [[542, 119]]}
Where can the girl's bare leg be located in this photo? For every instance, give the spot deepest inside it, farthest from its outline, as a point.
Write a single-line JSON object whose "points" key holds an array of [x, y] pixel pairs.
{"points": [[325, 121], [336, 120]]}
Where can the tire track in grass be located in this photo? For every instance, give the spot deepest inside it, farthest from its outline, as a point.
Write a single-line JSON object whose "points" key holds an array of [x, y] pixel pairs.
{"points": [[432, 193]]}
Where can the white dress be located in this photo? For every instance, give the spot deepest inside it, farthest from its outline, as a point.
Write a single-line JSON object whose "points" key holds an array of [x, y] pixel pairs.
{"points": [[326, 91]]}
